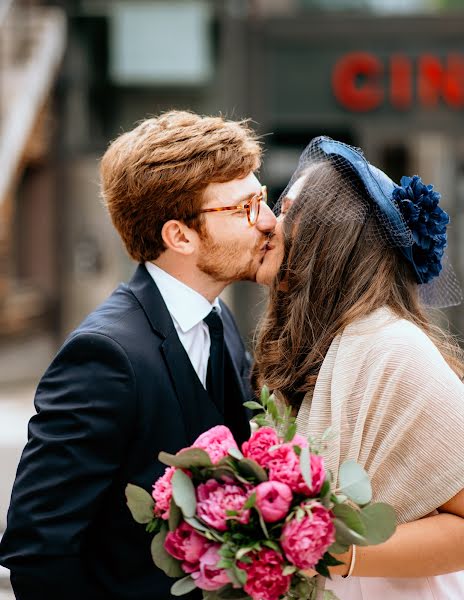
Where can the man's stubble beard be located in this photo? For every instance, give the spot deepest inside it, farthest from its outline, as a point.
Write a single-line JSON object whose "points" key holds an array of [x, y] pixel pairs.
{"points": [[220, 261]]}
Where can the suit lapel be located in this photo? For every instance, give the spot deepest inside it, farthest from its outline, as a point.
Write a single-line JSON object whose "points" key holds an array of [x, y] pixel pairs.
{"points": [[198, 411]]}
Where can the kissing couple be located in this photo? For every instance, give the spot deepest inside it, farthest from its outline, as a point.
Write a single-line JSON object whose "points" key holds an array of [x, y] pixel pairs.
{"points": [[353, 263]]}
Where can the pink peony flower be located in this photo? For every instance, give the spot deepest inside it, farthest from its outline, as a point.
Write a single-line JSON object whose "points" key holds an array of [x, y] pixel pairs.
{"points": [[209, 577], [284, 466], [273, 500], [216, 442], [162, 494], [305, 542], [265, 578], [215, 498], [187, 545], [257, 447], [299, 440]]}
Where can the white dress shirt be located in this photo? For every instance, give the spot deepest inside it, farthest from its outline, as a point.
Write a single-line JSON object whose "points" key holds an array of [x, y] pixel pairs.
{"points": [[187, 308]]}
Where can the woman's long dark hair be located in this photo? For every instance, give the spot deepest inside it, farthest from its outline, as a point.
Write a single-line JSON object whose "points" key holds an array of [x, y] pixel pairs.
{"points": [[335, 270]]}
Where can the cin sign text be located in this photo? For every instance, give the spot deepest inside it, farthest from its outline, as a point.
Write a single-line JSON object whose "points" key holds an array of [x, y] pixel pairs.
{"points": [[362, 82]]}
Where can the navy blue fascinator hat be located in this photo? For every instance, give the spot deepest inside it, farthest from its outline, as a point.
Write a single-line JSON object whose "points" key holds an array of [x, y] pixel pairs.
{"points": [[408, 215]]}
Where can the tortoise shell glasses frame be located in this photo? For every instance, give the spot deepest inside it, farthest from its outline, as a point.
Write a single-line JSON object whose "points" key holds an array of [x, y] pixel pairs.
{"points": [[252, 206]]}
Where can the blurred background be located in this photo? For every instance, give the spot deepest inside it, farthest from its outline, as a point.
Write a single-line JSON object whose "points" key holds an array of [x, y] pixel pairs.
{"points": [[386, 75]]}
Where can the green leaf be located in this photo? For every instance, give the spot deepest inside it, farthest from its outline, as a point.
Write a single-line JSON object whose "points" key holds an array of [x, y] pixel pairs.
{"points": [[272, 409], [331, 561], [251, 501], [337, 548], [183, 586], [175, 515], [242, 551], [263, 524], [261, 420], [235, 453], [140, 503], [240, 574], [380, 522], [345, 535], [322, 569], [305, 466], [186, 459], [250, 468], [289, 570], [230, 593], [290, 433], [183, 493], [154, 526], [272, 545], [253, 405], [354, 482], [196, 524], [351, 518], [162, 559], [264, 395], [329, 595]]}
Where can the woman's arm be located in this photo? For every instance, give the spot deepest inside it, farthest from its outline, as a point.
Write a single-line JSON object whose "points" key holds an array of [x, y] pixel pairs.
{"points": [[430, 546]]}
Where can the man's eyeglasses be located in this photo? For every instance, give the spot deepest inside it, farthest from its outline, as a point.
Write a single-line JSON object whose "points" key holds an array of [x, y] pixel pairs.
{"points": [[252, 206]]}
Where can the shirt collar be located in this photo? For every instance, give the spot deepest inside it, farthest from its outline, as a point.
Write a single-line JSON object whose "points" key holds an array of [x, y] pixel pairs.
{"points": [[184, 304]]}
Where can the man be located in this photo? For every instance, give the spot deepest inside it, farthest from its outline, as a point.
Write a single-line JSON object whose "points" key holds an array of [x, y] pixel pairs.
{"points": [[133, 379]]}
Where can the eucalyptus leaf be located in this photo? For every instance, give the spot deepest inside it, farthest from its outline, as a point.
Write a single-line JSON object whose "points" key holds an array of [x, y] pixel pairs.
{"points": [[183, 586], [351, 518], [186, 459], [345, 535], [235, 453], [183, 493], [354, 482], [380, 522], [337, 548], [140, 503], [305, 466], [175, 515], [196, 524], [250, 468], [162, 559]]}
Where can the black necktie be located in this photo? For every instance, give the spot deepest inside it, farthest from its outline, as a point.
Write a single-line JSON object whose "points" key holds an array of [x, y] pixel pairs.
{"points": [[215, 374]]}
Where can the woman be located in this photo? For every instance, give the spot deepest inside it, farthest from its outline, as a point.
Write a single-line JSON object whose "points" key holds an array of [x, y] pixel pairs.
{"points": [[347, 342]]}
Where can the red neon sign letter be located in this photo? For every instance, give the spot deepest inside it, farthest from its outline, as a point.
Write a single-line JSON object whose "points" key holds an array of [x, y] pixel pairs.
{"points": [[349, 91], [435, 81]]}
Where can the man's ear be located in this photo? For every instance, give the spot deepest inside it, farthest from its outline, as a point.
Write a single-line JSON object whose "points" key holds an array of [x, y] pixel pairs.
{"points": [[179, 238]]}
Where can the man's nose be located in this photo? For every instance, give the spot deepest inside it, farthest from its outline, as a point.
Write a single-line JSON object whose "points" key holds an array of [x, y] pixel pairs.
{"points": [[267, 220]]}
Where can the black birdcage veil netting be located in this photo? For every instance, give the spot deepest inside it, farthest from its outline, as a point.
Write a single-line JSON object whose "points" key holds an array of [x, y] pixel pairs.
{"points": [[345, 188]]}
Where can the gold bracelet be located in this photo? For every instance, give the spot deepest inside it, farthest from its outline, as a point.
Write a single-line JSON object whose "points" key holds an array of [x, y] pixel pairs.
{"points": [[352, 563]]}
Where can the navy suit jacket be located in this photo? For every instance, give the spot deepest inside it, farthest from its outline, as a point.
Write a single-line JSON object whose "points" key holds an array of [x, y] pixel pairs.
{"points": [[118, 392]]}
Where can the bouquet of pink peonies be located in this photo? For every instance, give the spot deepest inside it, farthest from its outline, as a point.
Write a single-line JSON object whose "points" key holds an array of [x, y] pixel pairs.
{"points": [[250, 523]]}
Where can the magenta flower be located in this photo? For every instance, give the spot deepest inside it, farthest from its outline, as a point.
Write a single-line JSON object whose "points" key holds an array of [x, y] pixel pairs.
{"points": [[187, 545], [257, 447], [273, 500], [305, 542], [215, 499], [162, 494], [217, 441], [265, 578], [209, 577], [284, 466]]}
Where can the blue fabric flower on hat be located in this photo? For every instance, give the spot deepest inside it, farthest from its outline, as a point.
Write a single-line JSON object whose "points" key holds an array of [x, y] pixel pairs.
{"points": [[418, 204]]}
